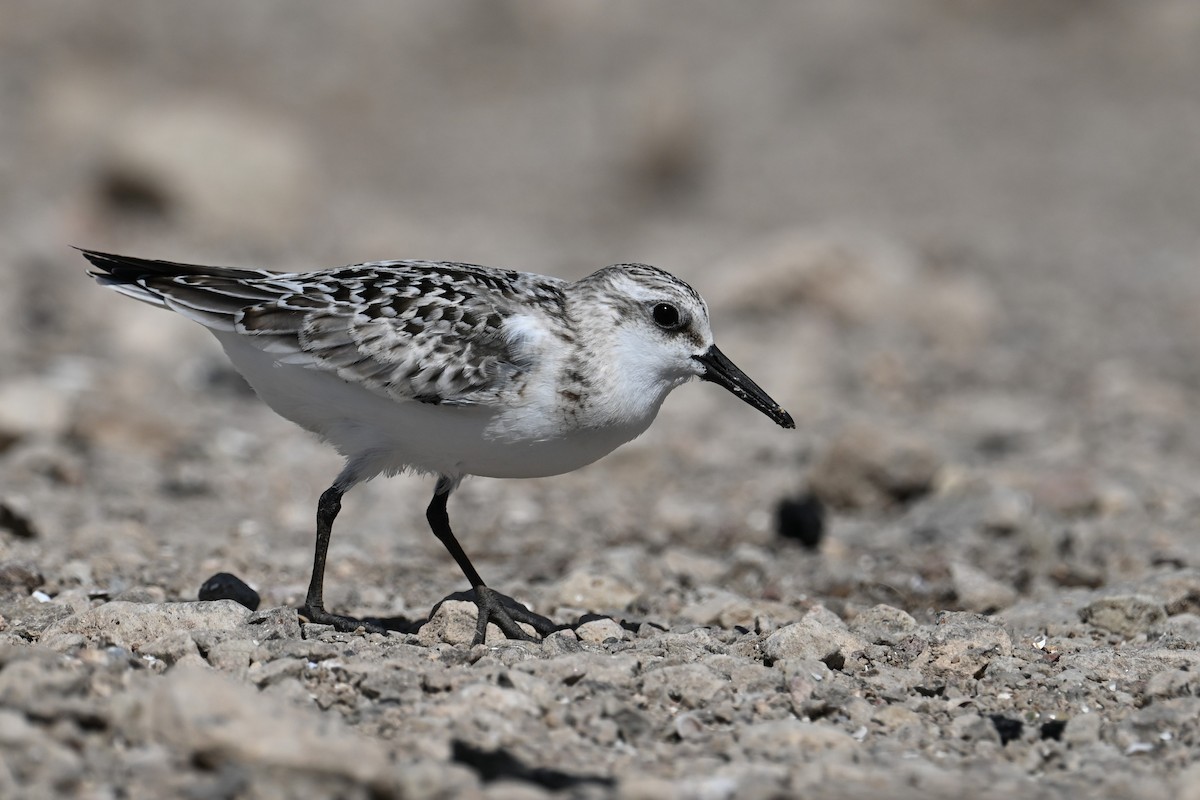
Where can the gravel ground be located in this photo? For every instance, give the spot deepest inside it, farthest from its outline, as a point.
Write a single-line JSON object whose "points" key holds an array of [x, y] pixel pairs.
{"points": [[957, 240]]}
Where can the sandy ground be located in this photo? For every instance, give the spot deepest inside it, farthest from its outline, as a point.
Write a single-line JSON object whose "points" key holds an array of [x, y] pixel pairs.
{"points": [[957, 239]]}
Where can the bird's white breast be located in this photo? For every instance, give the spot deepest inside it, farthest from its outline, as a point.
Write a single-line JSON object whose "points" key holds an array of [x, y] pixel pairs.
{"points": [[381, 435]]}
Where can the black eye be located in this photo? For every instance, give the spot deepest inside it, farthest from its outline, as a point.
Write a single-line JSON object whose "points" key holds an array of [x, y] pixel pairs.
{"points": [[666, 316]]}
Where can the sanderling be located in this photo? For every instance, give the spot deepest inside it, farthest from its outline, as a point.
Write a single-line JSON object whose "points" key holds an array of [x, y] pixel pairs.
{"points": [[449, 369]]}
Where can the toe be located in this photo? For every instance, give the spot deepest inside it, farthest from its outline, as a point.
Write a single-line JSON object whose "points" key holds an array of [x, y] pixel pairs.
{"points": [[339, 622], [506, 615]]}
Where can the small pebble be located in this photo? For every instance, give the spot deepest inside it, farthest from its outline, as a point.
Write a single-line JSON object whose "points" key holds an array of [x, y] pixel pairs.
{"points": [[1008, 727], [802, 520], [224, 586], [16, 521]]}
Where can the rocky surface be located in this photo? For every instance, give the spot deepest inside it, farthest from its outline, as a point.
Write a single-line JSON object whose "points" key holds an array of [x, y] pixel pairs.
{"points": [[957, 240]]}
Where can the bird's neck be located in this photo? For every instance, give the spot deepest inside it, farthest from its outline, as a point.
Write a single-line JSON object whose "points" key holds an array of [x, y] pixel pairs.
{"points": [[616, 381]]}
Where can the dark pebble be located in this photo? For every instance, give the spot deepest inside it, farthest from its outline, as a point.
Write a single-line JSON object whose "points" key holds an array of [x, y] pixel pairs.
{"points": [[1007, 727], [16, 523], [224, 586], [494, 765], [1053, 729], [801, 519]]}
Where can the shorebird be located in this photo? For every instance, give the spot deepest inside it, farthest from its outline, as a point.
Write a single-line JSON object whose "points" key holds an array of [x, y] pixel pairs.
{"points": [[451, 370]]}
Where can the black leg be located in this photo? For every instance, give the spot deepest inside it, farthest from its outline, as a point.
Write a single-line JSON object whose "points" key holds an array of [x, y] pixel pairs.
{"points": [[492, 607], [314, 604]]}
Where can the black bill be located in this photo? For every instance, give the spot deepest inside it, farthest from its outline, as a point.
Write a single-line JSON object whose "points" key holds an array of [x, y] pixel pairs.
{"points": [[720, 370]]}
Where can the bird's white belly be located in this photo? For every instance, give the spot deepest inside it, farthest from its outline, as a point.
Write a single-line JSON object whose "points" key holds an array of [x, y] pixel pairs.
{"points": [[380, 435]]}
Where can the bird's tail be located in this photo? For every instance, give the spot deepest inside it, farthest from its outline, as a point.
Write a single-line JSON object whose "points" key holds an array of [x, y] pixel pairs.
{"points": [[136, 277], [211, 296]]}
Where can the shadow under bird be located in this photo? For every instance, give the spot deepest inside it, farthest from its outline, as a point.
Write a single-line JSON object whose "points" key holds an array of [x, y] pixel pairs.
{"points": [[449, 369]]}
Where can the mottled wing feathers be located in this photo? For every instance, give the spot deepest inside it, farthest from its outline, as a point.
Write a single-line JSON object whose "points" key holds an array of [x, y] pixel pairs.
{"points": [[426, 331], [406, 331]]}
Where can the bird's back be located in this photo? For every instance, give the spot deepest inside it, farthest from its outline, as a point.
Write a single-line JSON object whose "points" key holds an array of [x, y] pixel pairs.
{"points": [[434, 332]]}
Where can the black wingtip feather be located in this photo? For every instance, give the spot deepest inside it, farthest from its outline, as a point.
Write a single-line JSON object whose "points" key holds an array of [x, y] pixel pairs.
{"points": [[130, 269]]}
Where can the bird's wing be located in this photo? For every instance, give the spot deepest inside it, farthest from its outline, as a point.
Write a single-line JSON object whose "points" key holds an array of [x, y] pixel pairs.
{"points": [[428, 331]]}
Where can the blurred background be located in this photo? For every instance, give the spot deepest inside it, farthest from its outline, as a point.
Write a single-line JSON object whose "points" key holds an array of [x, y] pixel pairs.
{"points": [[1050, 147], [975, 222]]}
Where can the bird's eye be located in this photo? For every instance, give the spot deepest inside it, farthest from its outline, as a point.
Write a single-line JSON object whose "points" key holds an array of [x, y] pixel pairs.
{"points": [[666, 316]]}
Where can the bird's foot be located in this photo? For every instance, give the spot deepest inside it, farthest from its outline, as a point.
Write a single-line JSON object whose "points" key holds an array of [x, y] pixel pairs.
{"points": [[506, 613], [319, 616]]}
